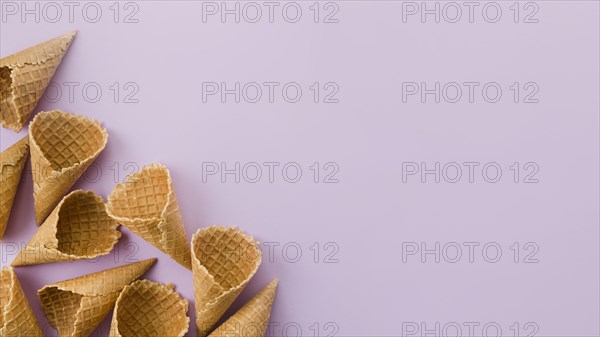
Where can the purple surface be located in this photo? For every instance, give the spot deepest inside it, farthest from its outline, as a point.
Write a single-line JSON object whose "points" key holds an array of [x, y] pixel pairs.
{"points": [[370, 216]]}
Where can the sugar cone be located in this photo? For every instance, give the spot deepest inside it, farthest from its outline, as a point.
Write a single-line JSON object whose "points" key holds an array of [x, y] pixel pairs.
{"points": [[77, 229], [12, 162], [62, 147], [16, 317], [252, 319], [223, 261], [24, 77], [75, 307], [146, 204], [147, 308]]}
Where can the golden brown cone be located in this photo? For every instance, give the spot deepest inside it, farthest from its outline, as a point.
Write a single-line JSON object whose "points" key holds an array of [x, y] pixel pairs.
{"points": [[146, 204], [12, 162], [252, 319], [78, 228], [63, 146], [75, 307], [24, 77], [16, 317], [223, 261], [147, 308]]}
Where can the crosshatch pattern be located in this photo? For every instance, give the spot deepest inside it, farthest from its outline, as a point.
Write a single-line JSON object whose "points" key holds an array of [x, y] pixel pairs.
{"points": [[146, 204], [24, 77], [77, 229], [12, 162], [75, 307], [147, 308], [225, 259], [62, 147], [16, 317]]}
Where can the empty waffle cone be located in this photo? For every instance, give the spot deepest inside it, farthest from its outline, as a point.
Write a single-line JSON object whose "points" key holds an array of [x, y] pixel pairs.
{"points": [[78, 228], [75, 307], [224, 260], [24, 77], [16, 317], [146, 204], [252, 319], [12, 162], [62, 147], [147, 308]]}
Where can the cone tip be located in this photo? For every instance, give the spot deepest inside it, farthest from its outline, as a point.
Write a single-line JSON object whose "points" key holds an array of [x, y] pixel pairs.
{"points": [[272, 286], [70, 36], [147, 264], [17, 262], [150, 261]]}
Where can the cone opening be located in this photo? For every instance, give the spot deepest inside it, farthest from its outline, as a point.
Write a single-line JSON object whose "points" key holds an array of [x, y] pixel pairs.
{"points": [[143, 195], [60, 307], [65, 139], [84, 228], [151, 309], [6, 284], [6, 96], [229, 255]]}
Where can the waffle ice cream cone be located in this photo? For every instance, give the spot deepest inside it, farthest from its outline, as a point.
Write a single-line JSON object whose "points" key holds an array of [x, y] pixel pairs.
{"points": [[24, 77], [75, 307], [16, 317], [78, 228], [223, 261], [252, 319], [62, 147], [12, 162], [146, 204], [147, 308]]}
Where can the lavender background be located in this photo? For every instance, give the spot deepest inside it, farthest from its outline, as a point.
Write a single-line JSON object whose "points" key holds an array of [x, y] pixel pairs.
{"points": [[368, 134]]}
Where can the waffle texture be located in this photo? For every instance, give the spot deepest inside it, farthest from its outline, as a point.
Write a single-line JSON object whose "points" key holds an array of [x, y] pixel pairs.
{"points": [[62, 147], [75, 307], [149, 309], [24, 77], [223, 261], [146, 204], [78, 228], [12, 162], [16, 317], [253, 318]]}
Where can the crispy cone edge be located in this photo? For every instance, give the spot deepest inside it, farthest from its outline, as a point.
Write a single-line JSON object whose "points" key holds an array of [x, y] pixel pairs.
{"points": [[44, 246], [38, 55], [169, 223], [93, 294], [212, 299], [126, 296], [252, 319], [50, 184], [25, 323]]}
